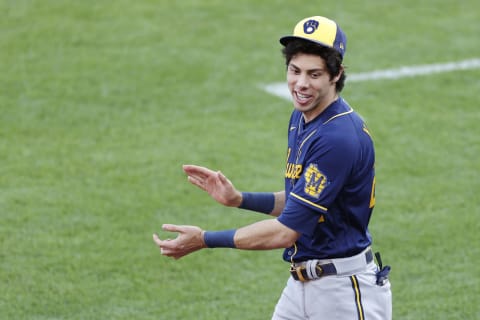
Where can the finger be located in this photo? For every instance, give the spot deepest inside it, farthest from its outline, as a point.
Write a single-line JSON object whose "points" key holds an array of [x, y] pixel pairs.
{"points": [[194, 168], [222, 177], [156, 239], [197, 182], [189, 167], [167, 252], [197, 171], [172, 228], [172, 252], [199, 178], [163, 244]]}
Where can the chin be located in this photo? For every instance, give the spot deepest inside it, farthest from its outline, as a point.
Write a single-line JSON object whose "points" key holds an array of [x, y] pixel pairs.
{"points": [[302, 108]]}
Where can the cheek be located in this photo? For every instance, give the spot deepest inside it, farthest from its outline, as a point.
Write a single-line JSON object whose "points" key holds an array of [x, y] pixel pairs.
{"points": [[290, 82], [321, 84]]}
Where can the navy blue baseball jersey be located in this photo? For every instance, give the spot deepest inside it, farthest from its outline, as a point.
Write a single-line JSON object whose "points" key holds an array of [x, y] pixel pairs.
{"points": [[329, 184]]}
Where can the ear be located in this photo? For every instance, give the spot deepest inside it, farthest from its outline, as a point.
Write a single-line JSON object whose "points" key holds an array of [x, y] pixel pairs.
{"points": [[340, 72]]}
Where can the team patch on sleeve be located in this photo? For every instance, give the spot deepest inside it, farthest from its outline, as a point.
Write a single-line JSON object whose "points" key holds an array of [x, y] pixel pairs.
{"points": [[315, 181]]}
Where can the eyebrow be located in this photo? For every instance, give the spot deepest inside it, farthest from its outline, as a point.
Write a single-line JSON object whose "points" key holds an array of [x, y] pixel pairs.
{"points": [[309, 71]]}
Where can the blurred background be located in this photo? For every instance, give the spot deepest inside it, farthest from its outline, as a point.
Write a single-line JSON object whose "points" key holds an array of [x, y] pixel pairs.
{"points": [[102, 102]]}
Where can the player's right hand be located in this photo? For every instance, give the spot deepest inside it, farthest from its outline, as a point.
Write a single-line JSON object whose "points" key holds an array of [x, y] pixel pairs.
{"points": [[219, 187]]}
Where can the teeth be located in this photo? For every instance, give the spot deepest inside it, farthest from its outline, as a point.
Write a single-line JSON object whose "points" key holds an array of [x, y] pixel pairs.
{"points": [[302, 96]]}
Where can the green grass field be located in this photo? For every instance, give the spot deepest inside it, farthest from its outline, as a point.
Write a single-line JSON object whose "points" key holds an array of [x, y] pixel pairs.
{"points": [[102, 102]]}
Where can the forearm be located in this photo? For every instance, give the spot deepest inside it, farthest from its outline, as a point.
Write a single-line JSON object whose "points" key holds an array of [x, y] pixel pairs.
{"points": [[265, 235], [279, 203]]}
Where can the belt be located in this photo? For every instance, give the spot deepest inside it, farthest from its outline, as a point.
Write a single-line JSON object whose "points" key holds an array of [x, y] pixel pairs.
{"points": [[315, 269]]}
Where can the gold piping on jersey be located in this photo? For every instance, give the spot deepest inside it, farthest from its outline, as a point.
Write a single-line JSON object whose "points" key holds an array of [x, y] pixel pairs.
{"points": [[365, 129], [339, 115], [294, 170], [305, 140], [307, 201]]}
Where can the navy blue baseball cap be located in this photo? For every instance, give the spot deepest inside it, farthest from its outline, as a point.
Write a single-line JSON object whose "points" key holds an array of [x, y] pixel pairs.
{"points": [[320, 30]]}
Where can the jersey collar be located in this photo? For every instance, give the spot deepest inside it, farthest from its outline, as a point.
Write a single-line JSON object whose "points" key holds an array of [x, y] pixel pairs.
{"points": [[337, 108]]}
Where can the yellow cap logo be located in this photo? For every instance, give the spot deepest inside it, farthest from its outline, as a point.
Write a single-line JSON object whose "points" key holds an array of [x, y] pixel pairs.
{"points": [[318, 29]]}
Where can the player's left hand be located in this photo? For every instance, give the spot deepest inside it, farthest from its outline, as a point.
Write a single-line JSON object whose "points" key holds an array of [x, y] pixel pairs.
{"points": [[189, 239]]}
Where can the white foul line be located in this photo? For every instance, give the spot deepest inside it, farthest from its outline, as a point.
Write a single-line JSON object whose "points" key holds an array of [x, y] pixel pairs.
{"points": [[280, 89]]}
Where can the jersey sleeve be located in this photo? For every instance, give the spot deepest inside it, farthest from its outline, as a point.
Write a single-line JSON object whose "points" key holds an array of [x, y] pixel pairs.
{"points": [[299, 217], [327, 166]]}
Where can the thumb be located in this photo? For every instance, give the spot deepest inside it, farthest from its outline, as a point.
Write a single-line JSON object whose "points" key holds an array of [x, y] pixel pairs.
{"points": [[222, 177]]}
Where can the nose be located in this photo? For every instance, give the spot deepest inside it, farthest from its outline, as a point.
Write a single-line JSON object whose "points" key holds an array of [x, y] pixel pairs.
{"points": [[302, 81]]}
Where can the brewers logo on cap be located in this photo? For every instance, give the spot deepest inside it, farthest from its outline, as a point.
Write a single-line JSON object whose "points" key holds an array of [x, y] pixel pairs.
{"points": [[320, 30]]}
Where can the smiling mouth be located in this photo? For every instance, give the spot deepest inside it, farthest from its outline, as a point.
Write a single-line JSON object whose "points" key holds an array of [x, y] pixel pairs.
{"points": [[302, 98]]}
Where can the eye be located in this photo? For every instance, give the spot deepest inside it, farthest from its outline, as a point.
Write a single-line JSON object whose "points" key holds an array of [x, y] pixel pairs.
{"points": [[293, 70]]}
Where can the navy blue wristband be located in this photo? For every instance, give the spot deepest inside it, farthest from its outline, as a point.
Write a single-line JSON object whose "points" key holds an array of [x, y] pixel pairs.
{"points": [[220, 239], [263, 202]]}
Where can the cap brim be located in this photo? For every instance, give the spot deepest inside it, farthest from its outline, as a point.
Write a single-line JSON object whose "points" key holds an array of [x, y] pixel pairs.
{"points": [[287, 39]]}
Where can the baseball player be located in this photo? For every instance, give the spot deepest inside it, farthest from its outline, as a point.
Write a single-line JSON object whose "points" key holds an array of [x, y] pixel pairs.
{"points": [[321, 217]]}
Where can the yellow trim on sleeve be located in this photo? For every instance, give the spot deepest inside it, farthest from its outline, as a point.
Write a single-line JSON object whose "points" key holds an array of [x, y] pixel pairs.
{"points": [[307, 201]]}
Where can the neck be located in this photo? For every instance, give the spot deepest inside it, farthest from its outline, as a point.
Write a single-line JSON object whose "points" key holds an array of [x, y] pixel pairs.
{"points": [[315, 112]]}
